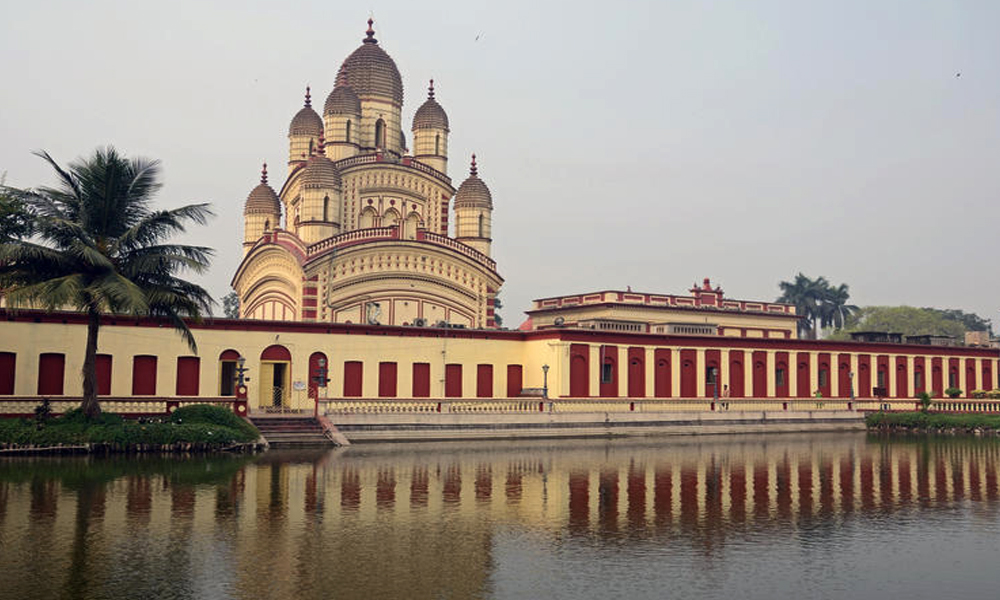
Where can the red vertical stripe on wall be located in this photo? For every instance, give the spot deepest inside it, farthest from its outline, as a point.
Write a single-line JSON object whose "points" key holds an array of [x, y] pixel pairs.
{"points": [[919, 366], [937, 377], [971, 383], [737, 389], [8, 363], [421, 380], [579, 370], [988, 382], [636, 373], [713, 360], [188, 374], [353, 378], [865, 376], [661, 373], [143, 375], [781, 364], [484, 381], [902, 378], [844, 376], [453, 381], [882, 366], [760, 374], [103, 364], [802, 382], [515, 380], [689, 374], [387, 380], [824, 366], [51, 371], [609, 356]]}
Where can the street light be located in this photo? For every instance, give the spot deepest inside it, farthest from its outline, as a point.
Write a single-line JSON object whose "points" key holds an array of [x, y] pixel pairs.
{"points": [[545, 381]]}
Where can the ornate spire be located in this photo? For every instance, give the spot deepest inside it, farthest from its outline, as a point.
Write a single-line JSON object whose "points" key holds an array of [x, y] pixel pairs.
{"points": [[321, 146], [473, 171], [263, 175], [370, 33], [308, 98], [430, 91]]}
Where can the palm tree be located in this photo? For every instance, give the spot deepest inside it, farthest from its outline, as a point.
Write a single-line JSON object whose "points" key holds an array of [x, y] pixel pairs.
{"points": [[835, 309], [807, 295], [99, 247]]}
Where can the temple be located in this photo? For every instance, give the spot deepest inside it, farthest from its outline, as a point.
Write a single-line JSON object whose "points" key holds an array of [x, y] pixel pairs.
{"points": [[359, 231]]}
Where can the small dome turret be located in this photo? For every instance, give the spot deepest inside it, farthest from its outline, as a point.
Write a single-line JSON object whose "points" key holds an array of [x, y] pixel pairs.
{"points": [[430, 115], [262, 199], [320, 172], [306, 121], [342, 101], [473, 191]]}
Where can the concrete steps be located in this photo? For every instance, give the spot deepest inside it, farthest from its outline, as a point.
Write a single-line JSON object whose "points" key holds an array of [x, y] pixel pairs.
{"points": [[287, 432]]}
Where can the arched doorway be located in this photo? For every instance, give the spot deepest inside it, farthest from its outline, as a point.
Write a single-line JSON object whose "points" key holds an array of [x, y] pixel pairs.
{"points": [[275, 375], [227, 372], [319, 370]]}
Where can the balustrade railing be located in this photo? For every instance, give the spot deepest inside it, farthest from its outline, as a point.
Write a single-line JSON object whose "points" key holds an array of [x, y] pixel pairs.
{"points": [[123, 405], [392, 232]]}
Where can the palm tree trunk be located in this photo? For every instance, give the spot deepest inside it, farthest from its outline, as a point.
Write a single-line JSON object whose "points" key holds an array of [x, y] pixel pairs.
{"points": [[90, 406]]}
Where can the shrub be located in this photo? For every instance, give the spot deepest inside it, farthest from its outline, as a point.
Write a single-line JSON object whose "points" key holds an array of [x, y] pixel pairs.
{"points": [[212, 415], [953, 392], [993, 394], [925, 401], [978, 394]]}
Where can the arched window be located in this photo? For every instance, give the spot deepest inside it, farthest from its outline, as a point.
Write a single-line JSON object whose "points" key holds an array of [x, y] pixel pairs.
{"points": [[437, 143], [326, 208], [367, 218], [267, 225], [482, 230], [310, 147], [347, 136], [390, 218], [380, 134]]}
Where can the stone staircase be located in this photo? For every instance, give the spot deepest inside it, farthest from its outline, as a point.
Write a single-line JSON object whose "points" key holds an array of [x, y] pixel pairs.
{"points": [[286, 432]]}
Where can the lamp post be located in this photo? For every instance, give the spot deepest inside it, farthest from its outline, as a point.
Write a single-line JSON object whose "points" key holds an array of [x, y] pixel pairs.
{"points": [[545, 381], [321, 380]]}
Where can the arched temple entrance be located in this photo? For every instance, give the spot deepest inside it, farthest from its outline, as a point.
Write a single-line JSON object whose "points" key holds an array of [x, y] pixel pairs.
{"points": [[275, 376]]}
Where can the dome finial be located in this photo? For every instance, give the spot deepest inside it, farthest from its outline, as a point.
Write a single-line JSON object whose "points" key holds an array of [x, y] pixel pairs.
{"points": [[473, 171], [308, 98], [263, 175], [430, 91], [370, 33]]}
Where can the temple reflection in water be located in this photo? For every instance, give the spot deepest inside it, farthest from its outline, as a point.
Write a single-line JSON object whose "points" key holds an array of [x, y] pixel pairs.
{"points": [[419, 520]]}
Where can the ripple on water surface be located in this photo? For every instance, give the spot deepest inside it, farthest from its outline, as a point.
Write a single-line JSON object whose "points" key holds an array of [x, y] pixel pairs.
{"points": [[782, 516]]}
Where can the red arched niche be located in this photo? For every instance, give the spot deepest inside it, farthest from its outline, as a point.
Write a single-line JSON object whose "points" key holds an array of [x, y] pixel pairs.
{"points": [[276, 352]]}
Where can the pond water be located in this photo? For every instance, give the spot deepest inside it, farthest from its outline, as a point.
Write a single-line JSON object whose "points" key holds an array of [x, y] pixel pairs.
{"points": [[779, 516]]}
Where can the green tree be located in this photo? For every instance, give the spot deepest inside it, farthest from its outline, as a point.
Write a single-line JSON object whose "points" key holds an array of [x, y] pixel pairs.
{"points": [[910, 320], [497, 305], [100, 248], [807, 296], [231, 305], [15, 218], [834, 310]]}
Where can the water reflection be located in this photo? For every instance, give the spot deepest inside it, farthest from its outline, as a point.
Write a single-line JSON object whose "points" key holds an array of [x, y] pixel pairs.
{"points": [[480, 520]]}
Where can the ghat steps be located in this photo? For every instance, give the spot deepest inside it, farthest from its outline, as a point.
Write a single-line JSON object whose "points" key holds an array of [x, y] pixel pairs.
{"points": [[292, 431]]}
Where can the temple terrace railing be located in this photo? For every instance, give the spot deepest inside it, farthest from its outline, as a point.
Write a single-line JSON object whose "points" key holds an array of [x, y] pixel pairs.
{"points": [[129, 406], [374, 234], [641, 405]]}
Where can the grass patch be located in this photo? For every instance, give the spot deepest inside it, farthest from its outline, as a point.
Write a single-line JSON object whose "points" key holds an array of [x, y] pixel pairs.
{"points": [[197, 424], [930, 420]]}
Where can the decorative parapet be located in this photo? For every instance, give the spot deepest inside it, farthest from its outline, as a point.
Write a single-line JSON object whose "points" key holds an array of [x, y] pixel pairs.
{"points": [[375, 234], [383, 158], [662, 301]]}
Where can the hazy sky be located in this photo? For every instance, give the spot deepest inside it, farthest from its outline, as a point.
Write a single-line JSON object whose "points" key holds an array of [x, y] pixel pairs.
{"points": [[630, 143]]}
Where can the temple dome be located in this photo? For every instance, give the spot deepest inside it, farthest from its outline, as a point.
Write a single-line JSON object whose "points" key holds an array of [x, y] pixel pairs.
{"points": [[306, 121], [430, 115], [342, 101], [370, 71], [473, 191], [262, 198], [320, 172]]}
